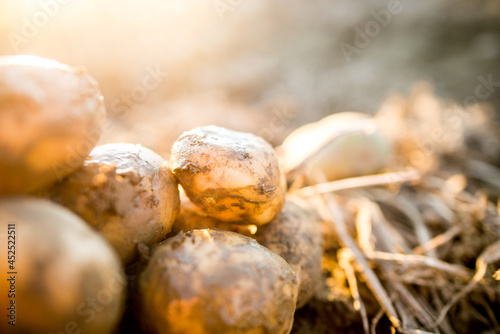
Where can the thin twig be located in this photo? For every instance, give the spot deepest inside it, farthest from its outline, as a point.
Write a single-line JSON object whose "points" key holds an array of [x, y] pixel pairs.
{"points": [[376, 320], [388, 237], [414, 215], [364, 225], [429, 262], [445, 324], [345, 257], [360, 182], [407, 320], [490, 254], [437, 241], [439, 207], [418, 311], [491, 315], [371, 279]]}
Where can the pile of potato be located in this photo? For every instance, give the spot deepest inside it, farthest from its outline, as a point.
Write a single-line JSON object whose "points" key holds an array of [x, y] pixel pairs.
{"points": [[230, 251]]}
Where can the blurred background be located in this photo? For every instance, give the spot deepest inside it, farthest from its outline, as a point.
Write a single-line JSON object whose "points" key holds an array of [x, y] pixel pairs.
{"points": [[165, 67]]}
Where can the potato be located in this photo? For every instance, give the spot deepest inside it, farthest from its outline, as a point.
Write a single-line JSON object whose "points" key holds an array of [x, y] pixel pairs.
{"points": [[191, 217], [233, 176], [295, 235], [211, 281], [67, 277], [51, 117], [360, 150], [125, 191]]}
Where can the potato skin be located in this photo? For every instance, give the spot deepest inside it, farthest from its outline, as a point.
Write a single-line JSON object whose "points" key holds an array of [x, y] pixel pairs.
{"points": [[51, 116], [211, 281], [296, 236], [355, 153], [125, 191], [233, 176], [191, 217], [68, 276]]}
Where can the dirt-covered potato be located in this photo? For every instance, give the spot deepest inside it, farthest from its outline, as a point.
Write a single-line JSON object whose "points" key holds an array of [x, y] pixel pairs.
{"points": [[51, 117], [191, 217], [233, 176], [61, 277], [295, 235], [211, 281], [360, 149], [125, 191]]}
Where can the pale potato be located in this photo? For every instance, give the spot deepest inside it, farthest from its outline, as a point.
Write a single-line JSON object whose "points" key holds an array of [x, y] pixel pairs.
{"points": [[296, 236], [51, 117], [67, 277], [210, 281], [233, 176], [361, 148], [125, 191]]}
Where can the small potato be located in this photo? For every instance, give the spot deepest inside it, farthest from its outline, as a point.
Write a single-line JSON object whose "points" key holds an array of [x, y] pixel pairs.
{"points": [[125, 191], [211, 281], [66, 277], [233, 176], [360, 149], [51, 117], [296, 236]]}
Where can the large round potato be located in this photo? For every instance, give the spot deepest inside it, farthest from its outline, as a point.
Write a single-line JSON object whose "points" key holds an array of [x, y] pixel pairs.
{"points": [[125, 191], [295, 235], [360, 148], [51, 116], [62, 276], [211, 281], [233, 176]]}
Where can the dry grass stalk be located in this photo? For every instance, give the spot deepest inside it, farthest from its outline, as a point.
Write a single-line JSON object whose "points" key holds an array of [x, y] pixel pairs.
{"points": [[410, 176], [371, 278]]}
